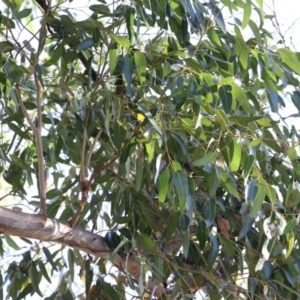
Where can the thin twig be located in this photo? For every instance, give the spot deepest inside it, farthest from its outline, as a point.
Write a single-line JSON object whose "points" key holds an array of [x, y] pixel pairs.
{"points": [[86, 185], [83, 167], [100, 169], [37, 130], [24, 110], [39, 146], [38, 135], [89, 156]]}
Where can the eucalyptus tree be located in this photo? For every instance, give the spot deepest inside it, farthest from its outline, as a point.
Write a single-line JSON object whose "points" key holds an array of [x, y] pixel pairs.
{"points": [[144, 154]]}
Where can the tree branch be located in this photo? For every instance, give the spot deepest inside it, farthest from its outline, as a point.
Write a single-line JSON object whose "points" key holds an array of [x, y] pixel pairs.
{"points": [[37, 131], [39, 148], [52, 230], [83, 167], [89, 156]]}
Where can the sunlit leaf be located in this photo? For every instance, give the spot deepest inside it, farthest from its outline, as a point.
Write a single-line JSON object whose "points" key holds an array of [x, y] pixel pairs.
{"points": [[140, 61], [163, 185], [258, 200], [247, 13], [290, 58], [205, 160], [235, 150]]}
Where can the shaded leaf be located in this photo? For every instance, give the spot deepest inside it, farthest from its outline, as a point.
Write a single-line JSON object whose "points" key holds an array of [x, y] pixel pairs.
{"points": [[85, 44], [181, 187]]}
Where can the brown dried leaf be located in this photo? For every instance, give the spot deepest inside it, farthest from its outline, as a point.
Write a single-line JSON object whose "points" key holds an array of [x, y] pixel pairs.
{"points": [[224, 226], [93, 292]]}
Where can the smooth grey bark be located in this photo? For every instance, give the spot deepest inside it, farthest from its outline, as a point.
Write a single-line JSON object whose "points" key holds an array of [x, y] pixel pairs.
{"points": [[36, 226], [52, 230]]}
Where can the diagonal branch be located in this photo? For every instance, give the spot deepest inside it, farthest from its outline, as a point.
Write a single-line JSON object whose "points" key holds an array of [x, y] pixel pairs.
{"points": [[52, 230], [89, 156]]}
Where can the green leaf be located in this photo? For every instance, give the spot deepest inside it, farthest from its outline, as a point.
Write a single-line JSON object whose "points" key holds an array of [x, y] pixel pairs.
{"points": [[172, 225], [213, 253], [292, 198], [255, 143], [43, 270], [242, 119], [268, 139], [184, 223], [23, 13], [185, 238], [292, 154], [265, 122], [205, 160], [85, 44], [235, 150], [202, 234], [122, 41], [112, 59], [255, 31], [213, 36], [290, 225], [248, 163], [141, 63], [218, 15], [226, 97], [35, 278], [296, 99], [247, 13], [128, 67], [290, 238], [181, 187], [55, 55], [194, 252], [290, 59], [163, 185], [100, 9], [241, 48], [247, 225], [49, 258], [11, 243], [194, 65], [150, 117], [21, 164], [6, 46], [158, 268], [271, 193], [146, 242], [88, 276], [210, 212], [130, 23], [119, 135], [258, 200], [139, 173], [251, 190], [228, 245]]}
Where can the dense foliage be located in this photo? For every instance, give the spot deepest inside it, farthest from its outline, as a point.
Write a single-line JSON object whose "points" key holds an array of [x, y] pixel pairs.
{"points": [[158, 126]]}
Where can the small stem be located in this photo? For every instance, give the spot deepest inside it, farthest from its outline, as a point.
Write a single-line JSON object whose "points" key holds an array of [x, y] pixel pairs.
{"points": [[89, 156], [85, 186], [83, 167], [24, 110], [38, 138], [96, 172], [85, 192]]}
